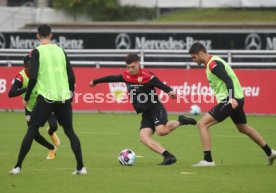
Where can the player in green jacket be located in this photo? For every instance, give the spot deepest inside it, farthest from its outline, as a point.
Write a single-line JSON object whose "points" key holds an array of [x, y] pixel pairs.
{"points": [[229, 94]]}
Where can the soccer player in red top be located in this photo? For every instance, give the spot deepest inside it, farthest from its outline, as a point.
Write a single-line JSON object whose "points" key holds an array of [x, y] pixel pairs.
{"points": [[141, 86]]}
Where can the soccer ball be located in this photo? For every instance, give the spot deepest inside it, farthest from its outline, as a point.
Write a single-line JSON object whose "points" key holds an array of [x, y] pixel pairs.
{"points": [[195, 110], [127, 157]]}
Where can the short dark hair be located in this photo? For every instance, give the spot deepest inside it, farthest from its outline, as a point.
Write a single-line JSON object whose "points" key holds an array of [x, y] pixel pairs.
{"points": [[26, 60], [196, 48], [130, 58], [44, 30]]}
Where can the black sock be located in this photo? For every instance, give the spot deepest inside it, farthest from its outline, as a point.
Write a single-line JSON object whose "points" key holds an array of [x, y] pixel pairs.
{"points": [[267, 150], [166, 154], [207, 156]]}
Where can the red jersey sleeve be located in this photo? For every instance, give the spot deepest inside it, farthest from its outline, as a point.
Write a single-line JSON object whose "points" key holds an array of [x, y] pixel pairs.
{"points": [[212, 65], [19, 77]]}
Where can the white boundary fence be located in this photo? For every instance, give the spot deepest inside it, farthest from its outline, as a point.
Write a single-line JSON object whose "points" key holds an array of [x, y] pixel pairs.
{"points": [[164, 58]]}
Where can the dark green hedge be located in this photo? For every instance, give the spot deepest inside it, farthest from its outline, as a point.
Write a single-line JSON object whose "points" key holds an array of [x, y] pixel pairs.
{"points": [[104, 10]]}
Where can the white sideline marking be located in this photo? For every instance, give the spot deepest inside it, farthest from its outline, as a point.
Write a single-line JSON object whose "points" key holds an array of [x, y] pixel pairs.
{"points": [[230, 136], [139, 156], [97, 133], [223, 136], [64, 168], [187, 173], [47, 169]]}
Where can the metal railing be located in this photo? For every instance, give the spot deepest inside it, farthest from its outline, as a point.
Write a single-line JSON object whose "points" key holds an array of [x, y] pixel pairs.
{"points": [[164, 58]]}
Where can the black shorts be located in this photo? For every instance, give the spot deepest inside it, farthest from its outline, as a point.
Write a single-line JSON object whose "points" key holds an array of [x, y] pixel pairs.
{"points": [[223, 110], [27, 112], [43, 110], [52, 121], [157, 115]]}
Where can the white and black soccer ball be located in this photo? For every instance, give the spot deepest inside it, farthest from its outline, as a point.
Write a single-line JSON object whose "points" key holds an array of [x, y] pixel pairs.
{"points": [[195, 110], [127, 157]]}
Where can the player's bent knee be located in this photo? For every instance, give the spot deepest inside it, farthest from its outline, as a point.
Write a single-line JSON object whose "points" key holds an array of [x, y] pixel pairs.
{"points": [[201, 125], [243, 129], [162, 132], [143, 138]]}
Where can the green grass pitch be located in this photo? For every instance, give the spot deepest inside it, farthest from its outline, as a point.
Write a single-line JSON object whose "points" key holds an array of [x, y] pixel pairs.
{"points": [[240, 164]]}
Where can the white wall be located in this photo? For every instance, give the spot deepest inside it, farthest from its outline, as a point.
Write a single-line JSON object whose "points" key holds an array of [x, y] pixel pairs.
{"points": [[259, 3], [221, 3], [182, 3], [198, 3], [141, 3], [16, 17]]}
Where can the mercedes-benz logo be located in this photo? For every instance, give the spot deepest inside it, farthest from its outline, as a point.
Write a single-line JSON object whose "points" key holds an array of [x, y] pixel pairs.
{"points": [[2, 41], [123, 41], [253, 42]]}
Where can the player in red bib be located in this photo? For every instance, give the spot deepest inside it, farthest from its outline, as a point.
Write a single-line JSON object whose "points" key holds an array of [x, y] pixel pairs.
{"points": [[141, 87]]}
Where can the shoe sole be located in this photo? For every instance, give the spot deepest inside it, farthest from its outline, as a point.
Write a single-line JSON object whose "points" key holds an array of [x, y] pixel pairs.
{"points": [[173, 162], [202, 166]]}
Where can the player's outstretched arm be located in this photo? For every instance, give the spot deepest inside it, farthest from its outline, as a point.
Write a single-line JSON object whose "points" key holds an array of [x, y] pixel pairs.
{"points": [[106, 79], [157, 83]]}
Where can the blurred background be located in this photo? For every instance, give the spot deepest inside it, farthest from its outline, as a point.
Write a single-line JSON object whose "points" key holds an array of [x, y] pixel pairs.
{"points": [[97, 34], [16, 14]]}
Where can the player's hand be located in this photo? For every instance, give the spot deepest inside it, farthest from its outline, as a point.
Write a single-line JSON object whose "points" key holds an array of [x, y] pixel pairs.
{"points": [[25, 103], [172, 94], [233, 103], [92, 83]]}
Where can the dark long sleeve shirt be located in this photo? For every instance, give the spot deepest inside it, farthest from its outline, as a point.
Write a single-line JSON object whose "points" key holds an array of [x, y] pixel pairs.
{"points": [[135, 89], [16, 89], [34, 67]]}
